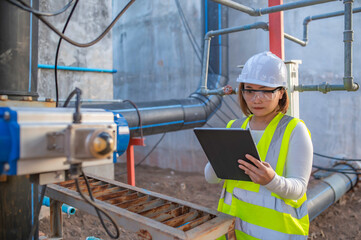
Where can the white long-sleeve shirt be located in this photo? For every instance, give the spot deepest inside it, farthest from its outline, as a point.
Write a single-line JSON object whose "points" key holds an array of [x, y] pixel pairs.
{"points": [[298, 165]]}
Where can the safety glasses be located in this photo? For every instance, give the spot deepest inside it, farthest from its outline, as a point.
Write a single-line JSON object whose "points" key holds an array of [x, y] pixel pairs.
{"points": [[250, 94]]}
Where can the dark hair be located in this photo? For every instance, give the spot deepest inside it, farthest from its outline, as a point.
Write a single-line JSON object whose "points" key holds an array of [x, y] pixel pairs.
{"points": [[282, 104]]}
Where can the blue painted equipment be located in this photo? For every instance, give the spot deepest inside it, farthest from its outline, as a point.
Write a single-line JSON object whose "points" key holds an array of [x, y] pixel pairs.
{"points": [[45, 140]]}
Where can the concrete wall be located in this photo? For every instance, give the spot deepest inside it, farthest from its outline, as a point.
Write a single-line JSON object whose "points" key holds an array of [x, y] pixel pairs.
{"points": [[156, 61], [88, 22]]}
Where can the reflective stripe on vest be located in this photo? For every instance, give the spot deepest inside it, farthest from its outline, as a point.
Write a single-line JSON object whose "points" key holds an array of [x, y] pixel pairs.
{"points": [[259, 212]]}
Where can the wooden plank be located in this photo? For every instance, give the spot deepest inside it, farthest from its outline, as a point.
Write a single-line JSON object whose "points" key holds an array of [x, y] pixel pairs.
{"points": [[135, 201], [161, 217], [157, 210], [147, 205], [194, 223], [129, 196], [114, 194], [182, 219]]}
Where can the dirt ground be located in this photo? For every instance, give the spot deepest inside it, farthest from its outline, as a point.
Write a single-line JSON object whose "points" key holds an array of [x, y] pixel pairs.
{"points": [[340, 221]]}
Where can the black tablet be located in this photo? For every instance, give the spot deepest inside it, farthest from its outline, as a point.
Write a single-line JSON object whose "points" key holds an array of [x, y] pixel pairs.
{"points": [[223, 147]]}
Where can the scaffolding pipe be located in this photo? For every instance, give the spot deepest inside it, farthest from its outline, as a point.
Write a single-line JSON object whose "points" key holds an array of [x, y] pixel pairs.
{"points": [[206, 51], [330, 189], [261, 11]]}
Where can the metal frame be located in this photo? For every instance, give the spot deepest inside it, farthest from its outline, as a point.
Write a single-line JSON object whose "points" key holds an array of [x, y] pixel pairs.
{"points": [[196, 223]]}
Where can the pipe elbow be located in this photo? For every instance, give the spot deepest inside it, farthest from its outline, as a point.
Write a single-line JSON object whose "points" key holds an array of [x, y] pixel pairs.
{"points": [[350, 85], [307, 20]]}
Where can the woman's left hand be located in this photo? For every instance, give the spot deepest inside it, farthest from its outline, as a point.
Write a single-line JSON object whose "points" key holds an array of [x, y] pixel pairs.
{"points": [[262, 173]]}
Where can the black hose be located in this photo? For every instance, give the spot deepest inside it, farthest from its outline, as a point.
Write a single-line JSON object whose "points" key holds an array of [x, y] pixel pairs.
{"points": [[57, 54], [97, 208]]}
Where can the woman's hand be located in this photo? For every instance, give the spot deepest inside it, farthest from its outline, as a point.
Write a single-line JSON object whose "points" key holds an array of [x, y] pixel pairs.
{"points": [[262, 173]]}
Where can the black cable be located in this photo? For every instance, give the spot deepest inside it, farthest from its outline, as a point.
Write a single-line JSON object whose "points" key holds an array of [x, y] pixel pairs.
{"points": [[229, 107], [337, 170], [234, 101], [190, 35], [57, 54], [97, 208], [37, 212], [139, 116], [77, 114], [195, 46], [39, 13], [154, 147], [100, 37], [336, 158]]}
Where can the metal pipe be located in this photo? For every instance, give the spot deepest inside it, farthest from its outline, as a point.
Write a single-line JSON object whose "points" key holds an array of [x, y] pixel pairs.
{"points": [[64, 207], [308, 19], [207, 41], [294, 39], [83, 69], [330, 189], [237, 6], [292, 5], [348, 83], [323, 87], [347, 39], [261, 11]]}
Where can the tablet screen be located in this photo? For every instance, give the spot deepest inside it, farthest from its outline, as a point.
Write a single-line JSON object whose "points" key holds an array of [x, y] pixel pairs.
{"points": [[223, 147]]}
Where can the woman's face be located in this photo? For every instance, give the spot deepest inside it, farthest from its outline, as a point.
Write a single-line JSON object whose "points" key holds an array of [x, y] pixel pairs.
{"points": [[261, 102]]}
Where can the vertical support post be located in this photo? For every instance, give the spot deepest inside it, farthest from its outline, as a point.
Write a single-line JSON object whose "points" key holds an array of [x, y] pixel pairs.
{"points": [[130, 158], [292, 81], [276, 30], [18, 200], [56, 219]]}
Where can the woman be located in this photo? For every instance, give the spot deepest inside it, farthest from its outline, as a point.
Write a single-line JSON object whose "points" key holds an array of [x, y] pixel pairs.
{"points": [[272, 206]]}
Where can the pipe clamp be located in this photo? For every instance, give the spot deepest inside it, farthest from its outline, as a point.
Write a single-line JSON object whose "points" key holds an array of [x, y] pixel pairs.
{"points": [[348, 36]]}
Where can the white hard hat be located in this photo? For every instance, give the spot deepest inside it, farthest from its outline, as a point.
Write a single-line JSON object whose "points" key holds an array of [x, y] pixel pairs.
{"points": [[264, 69]]}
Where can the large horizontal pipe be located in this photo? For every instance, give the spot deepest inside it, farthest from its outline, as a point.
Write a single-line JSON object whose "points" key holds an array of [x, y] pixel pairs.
{"points": [[330, 189], [169, 115], [261, 11]]}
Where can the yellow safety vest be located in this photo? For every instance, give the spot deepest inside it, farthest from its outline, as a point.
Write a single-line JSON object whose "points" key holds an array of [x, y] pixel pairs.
{"points": [[260, 213]]}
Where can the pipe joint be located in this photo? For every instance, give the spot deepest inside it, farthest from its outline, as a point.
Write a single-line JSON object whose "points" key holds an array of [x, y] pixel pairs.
{"points": [[257, 12], [348, 1], [350, 85], [348, 36], [324, 87]]}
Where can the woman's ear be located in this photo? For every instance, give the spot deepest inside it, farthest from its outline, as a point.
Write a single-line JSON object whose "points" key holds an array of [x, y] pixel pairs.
{"points": [[282, 91]]}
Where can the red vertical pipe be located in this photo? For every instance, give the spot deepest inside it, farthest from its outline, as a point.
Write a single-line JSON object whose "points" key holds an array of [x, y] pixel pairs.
{"points": [[130, 165], [276, 30], [130, 158]]}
